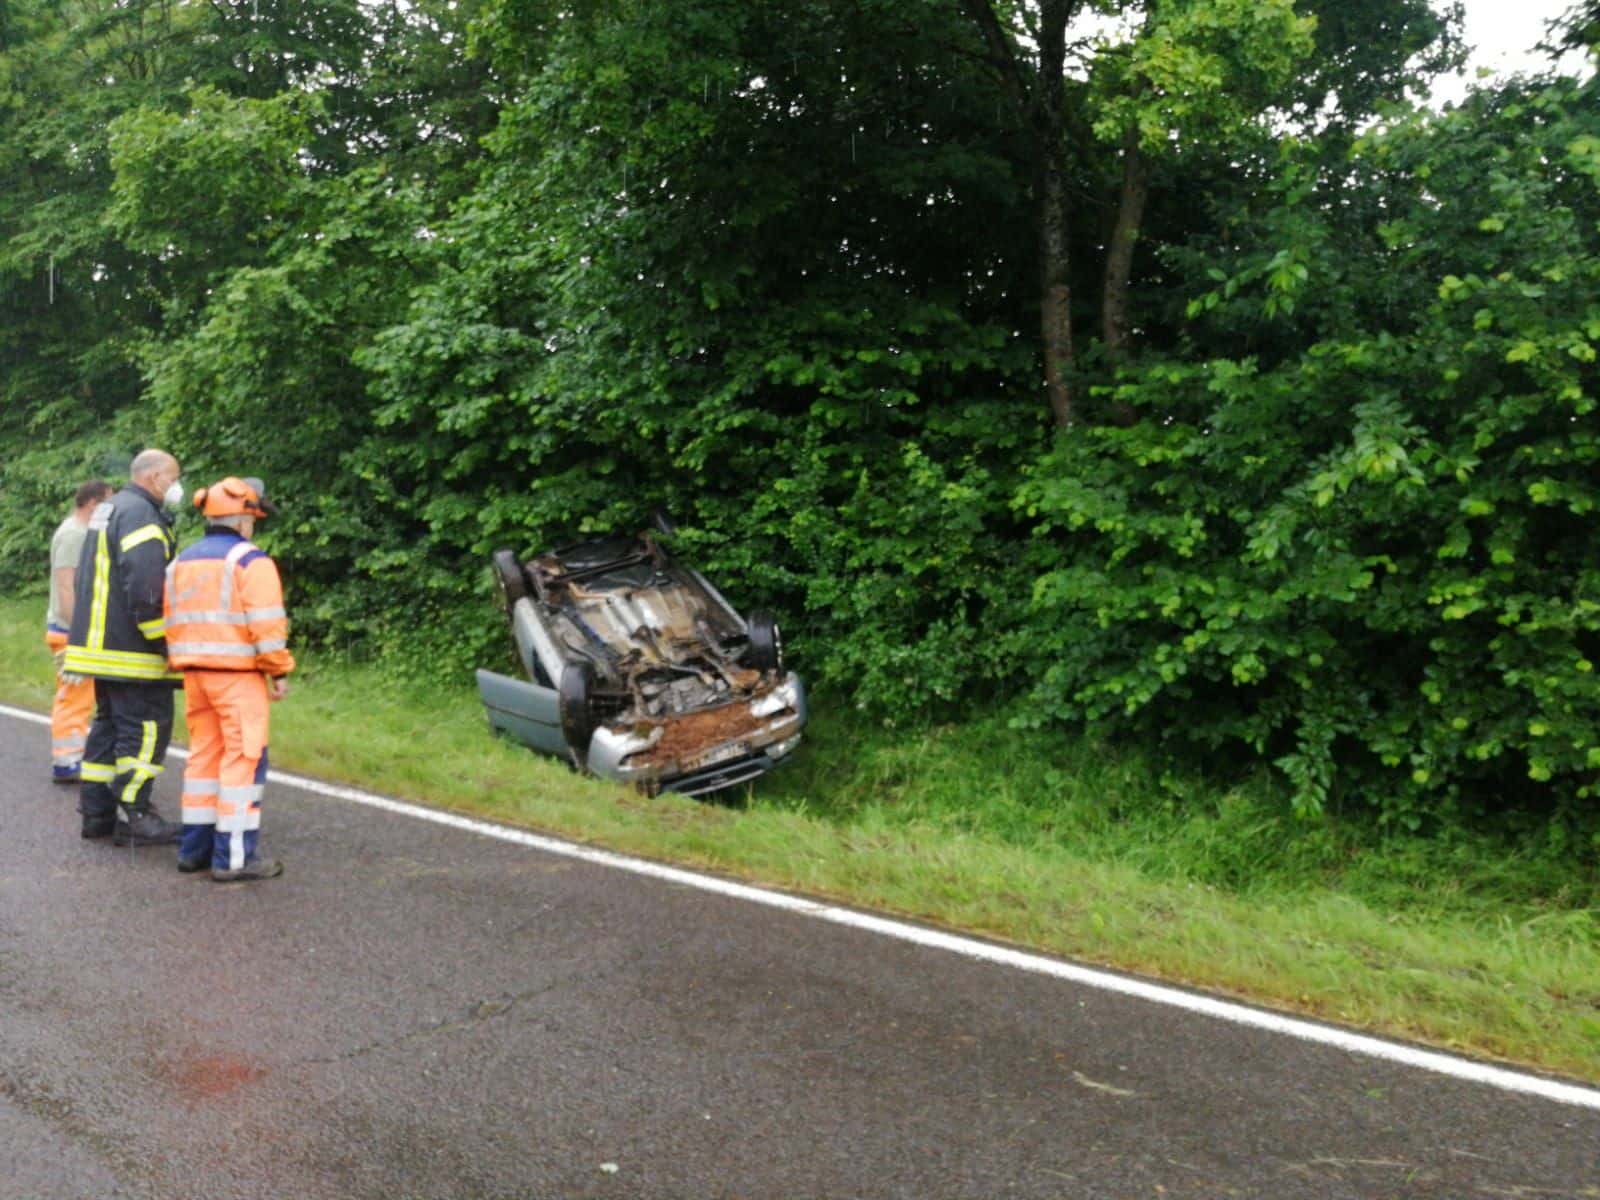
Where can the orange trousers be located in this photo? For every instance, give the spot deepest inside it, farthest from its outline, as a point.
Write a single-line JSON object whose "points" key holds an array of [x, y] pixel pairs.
{"points": [[227, 768], [70, 713]]}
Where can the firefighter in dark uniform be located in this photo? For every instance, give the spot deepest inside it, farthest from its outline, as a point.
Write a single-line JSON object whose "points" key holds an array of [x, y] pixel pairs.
{"points": [[118, 639]]}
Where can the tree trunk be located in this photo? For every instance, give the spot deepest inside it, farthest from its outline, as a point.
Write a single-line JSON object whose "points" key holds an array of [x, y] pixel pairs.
{"points": [[1040, 97], [1050, 137], [1119, 256], [1055, 288]]}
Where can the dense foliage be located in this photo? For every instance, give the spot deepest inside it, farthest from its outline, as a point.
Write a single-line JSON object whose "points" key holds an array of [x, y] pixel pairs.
{"points": [[459, 275], [1374, 557]]}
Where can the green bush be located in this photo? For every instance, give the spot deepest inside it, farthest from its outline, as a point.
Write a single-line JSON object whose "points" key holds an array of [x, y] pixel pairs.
{"points": [[774, 270], [59, 449], [1374, 561]]}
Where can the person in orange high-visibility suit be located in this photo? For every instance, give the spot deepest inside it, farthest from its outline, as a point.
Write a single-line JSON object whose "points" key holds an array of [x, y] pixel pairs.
{"points": [[73, 708], [227, 631]]}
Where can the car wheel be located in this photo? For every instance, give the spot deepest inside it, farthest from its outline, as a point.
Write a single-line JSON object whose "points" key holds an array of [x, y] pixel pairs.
{"points": [[508, 575], [576, 702], [766, 643]]}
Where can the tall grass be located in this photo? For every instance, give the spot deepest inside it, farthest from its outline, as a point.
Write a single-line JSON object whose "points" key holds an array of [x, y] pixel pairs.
{"points": [[1472, 940], [1118, 803]]}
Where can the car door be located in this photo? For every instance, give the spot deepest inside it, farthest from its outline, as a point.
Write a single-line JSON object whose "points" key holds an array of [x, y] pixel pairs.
{"points": [[527, 712]]}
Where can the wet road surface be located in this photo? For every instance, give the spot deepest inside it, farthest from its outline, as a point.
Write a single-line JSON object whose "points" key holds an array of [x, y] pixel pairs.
{"points": [[418, 1011]]}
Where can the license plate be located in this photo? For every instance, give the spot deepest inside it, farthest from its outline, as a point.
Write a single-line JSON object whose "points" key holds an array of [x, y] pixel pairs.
{"points": [[712, 757]]}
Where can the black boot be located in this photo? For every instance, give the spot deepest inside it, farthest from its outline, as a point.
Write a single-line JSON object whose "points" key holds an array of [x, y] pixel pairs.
{"points": [[100, 818], [99, 811], [144, 827]]}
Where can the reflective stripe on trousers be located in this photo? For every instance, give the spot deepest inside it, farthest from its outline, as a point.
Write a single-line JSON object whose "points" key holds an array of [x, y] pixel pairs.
{"points": [[199, 797], [137, 770]]}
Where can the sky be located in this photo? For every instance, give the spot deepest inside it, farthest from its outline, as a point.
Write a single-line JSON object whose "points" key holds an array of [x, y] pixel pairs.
{"points": [[1502, 34]]}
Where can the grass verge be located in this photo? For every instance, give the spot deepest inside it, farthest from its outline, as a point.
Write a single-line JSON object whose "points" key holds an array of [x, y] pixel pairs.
{"points": [[1471, 942]]}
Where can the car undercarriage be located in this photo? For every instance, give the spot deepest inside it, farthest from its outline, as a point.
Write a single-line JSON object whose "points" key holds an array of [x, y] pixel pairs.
{"points": [[644, 670]]}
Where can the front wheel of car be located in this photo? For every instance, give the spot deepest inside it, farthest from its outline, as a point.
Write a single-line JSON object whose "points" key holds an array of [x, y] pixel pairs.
{"points": [[575, 697], [508, 576], [766, 643]]}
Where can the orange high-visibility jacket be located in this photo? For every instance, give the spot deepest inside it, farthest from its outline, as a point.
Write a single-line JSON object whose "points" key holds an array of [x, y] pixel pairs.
{"points": [[224, 608]]}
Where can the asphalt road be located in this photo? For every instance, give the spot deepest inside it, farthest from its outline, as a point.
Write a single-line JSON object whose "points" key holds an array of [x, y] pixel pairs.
{"points": [[418, 1011]]}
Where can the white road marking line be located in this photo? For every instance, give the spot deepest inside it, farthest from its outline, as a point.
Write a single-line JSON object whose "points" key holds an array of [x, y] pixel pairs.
{"points": [[1223, 1010]]}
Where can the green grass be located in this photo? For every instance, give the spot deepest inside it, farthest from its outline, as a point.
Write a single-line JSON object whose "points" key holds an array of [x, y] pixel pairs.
{"points": [[1468, 941]]}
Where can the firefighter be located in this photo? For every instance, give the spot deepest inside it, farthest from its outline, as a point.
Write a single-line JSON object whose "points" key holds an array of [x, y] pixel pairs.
{"points": [[228, 632], [117, 639], [73, 707]]}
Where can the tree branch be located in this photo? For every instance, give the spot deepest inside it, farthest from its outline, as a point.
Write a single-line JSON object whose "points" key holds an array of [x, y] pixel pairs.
{"points": [[1004, 56]]}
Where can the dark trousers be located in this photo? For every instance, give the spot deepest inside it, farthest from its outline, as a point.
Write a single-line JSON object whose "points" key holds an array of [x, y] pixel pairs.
{"points": [[127, 746]]}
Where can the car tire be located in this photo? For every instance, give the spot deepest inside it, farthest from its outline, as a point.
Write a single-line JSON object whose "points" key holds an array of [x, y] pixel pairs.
{"points": [[575, 699], [508, 576], [766, 643]]}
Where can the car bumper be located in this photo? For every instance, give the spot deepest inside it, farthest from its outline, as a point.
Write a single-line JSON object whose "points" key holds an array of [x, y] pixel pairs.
{"points": [[615, 751]]}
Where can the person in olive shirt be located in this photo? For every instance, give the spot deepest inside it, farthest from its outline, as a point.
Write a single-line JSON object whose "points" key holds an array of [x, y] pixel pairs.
{"points": [[73, 706], [118, 639]]}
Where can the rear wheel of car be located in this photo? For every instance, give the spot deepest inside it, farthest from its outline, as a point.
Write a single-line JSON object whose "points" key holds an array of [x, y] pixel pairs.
{"points": [[508, 575], [766, 644], [576, 702]]}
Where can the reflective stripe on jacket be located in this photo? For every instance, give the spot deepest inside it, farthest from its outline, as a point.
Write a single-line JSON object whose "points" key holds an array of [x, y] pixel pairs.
{"points": [[117, 627], [224, 608]]}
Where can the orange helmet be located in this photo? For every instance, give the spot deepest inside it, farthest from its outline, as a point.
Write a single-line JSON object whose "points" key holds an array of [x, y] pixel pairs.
{"points": [[233, 496]]}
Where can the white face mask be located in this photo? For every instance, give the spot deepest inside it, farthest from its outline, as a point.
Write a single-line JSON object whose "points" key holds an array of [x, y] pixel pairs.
{"points": [[174, 496]]}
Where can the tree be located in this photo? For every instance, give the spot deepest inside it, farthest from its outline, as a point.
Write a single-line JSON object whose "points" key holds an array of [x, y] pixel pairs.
{"points": [[1037, 89], [1189, 83], [1579, 27], [758, 266], [1368, 556], [1197, 73], [250, 221], [1192, 70]]}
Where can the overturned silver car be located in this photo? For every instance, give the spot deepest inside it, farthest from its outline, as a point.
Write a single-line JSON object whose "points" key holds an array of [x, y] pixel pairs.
{"points": [[639, 671]]}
